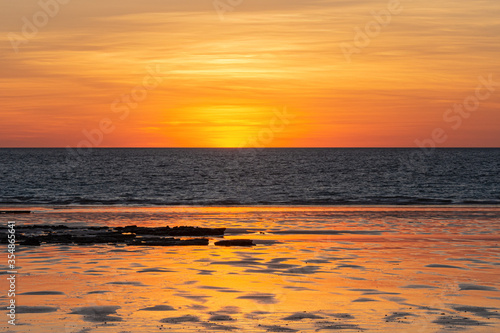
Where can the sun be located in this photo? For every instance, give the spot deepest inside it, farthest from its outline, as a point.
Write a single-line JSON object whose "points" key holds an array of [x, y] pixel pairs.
{"points": [[230, 137], [225, 126]]}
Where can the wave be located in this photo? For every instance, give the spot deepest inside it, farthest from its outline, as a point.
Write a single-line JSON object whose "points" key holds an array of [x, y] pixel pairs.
{"points": [[389, 201]]}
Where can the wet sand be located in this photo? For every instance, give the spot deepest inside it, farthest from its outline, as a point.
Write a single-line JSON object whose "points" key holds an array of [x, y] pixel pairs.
{"points": [[313, 269]]}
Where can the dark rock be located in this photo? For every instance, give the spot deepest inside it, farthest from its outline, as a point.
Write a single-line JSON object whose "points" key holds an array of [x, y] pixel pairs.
{"points": [[168, 242], [15, 212], [235, 242], [31, 241], [130, 235], [181, 231]]}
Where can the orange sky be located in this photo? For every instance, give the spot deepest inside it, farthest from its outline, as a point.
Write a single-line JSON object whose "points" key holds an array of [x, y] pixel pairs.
{"points": [[225, 78]]}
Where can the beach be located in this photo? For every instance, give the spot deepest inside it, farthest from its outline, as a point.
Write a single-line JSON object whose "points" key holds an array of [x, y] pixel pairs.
{"points": [[315, 268]]}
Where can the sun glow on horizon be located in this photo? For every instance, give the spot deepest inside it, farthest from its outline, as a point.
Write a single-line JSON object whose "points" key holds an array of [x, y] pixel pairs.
{"points": [[222, 126]]}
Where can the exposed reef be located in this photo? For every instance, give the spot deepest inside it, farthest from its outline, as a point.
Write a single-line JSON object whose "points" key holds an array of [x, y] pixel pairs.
{"points": [[36, 235]]}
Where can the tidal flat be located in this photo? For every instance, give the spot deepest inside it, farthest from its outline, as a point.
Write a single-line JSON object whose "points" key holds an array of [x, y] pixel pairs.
{"points": [[310, 269]]}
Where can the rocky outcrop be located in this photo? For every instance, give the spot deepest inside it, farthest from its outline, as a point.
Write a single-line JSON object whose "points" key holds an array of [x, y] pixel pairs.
{"points": [[235, 242], [35, 235]]}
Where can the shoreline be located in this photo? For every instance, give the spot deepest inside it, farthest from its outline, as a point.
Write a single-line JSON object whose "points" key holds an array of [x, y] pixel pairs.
{"points": [[310, 269]]}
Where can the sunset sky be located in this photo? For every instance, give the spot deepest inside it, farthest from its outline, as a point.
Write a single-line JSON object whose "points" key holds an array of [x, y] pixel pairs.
{"points": [[220, 79]]}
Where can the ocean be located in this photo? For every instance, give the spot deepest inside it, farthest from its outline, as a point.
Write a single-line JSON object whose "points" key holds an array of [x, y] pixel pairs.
{"points": [[249, 177]]}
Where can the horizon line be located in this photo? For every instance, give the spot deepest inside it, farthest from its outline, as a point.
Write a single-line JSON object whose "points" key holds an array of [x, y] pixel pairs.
{"points": [[398, 147]]}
